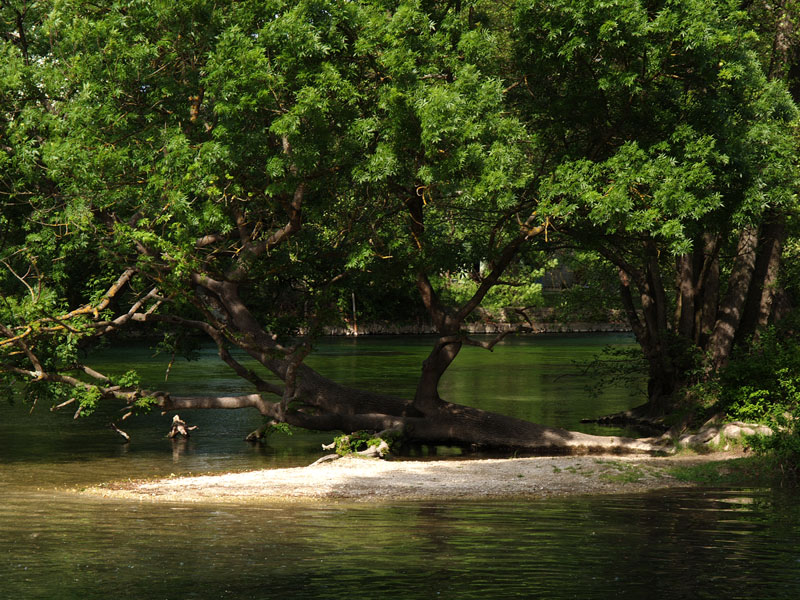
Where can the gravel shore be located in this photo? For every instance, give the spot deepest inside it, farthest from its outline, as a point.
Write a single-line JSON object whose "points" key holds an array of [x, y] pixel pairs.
{"points": [[358, 479]]}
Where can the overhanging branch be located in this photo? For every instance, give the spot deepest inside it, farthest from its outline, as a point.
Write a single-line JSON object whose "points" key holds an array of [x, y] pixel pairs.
{"points": [[87, 309], [508, 254]]}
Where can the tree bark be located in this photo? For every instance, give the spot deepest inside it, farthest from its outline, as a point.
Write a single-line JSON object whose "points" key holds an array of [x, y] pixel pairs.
{"points": [[707, 290], [730, 312], [426, 397], [758, 307], [450, 424], [630, 310], [685, 321]]}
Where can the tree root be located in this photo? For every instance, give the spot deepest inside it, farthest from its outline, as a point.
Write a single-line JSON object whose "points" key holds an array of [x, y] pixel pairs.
{"points": [[714, 433]]}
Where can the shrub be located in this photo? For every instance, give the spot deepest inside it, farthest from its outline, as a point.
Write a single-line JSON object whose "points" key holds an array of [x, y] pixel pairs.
{"points": [[763, 382], [763, 385]]}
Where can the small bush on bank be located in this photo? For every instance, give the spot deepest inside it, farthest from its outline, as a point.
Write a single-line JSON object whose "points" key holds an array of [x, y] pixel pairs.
{"points": [[763, 385], [782, 448]]}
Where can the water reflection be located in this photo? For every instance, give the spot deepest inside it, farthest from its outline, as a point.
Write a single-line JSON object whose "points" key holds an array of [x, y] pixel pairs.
{"points": [[683, 544]]}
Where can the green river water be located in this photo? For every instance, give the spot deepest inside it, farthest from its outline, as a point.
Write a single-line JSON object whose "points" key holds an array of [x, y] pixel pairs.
{"points": [[56, 543]]}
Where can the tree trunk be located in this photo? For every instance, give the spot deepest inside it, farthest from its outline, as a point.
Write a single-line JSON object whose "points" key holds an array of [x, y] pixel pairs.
{"points": [[635, 322], [449, 424], [651, 335], [730, 312], [685, 320], [761, 294], [426, 397], [707, 290]]}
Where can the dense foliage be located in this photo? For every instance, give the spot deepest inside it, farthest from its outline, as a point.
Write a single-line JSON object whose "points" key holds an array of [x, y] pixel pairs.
{"points": [[671, 147], [240, 170], [761, 384]]}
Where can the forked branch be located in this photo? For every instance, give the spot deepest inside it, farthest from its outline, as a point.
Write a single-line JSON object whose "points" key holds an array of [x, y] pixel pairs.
{"points": [[87, 309]]}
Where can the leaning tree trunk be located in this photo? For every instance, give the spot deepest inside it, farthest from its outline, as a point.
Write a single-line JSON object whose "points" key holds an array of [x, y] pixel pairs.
{"points": [[330, 406]]}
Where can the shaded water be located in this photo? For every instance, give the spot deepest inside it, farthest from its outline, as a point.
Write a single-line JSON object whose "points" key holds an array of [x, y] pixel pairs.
{"points": [[714, 544], [678, 544]]}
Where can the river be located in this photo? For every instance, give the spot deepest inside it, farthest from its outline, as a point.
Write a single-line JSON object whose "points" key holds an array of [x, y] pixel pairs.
{"points": [[56, 543]]}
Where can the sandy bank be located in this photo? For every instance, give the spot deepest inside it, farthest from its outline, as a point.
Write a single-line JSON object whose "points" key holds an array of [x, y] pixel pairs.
{"points": [[371, 479]]}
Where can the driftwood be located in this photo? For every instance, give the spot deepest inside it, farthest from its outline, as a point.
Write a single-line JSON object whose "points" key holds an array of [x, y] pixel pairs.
{"points": [[179, 428], [378, 451], [113, 427]]}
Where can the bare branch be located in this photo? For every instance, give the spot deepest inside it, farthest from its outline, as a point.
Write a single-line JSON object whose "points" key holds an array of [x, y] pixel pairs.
{"points": [[20, 343], [521, 312], [491, 343], [62, 405], [87, 309], [108, 326], [127, 395], [21, 278], [209, 239], [92, 373], [113, 427], [465, 339], [219, 402]]}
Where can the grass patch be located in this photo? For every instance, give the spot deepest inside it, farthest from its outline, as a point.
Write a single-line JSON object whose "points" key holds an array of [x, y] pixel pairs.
{"points": [[623, 477], [620, 472], [755, 471]]}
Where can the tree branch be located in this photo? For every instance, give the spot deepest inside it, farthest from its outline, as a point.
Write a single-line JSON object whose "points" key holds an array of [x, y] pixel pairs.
{"points": [[491, 343], [105, 327], [222, 350], [209, 239], [126, 394], [508, 254], [84, 310], [295, 219], [172, 403]]}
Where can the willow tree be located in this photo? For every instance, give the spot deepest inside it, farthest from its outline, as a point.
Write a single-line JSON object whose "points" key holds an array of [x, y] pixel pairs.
{"points": [[673, 155], [222, 168]]}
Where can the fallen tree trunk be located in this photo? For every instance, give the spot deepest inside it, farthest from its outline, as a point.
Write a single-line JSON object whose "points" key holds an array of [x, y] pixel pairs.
{"points": [[328, 406]]}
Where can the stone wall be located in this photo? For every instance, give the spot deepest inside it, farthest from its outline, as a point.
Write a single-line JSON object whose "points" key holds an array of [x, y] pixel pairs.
{"points": [[478, 327]]}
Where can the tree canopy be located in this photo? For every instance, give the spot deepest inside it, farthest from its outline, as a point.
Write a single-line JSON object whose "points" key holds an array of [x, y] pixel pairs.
{"points": [[228, 169], [674, 158]]}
